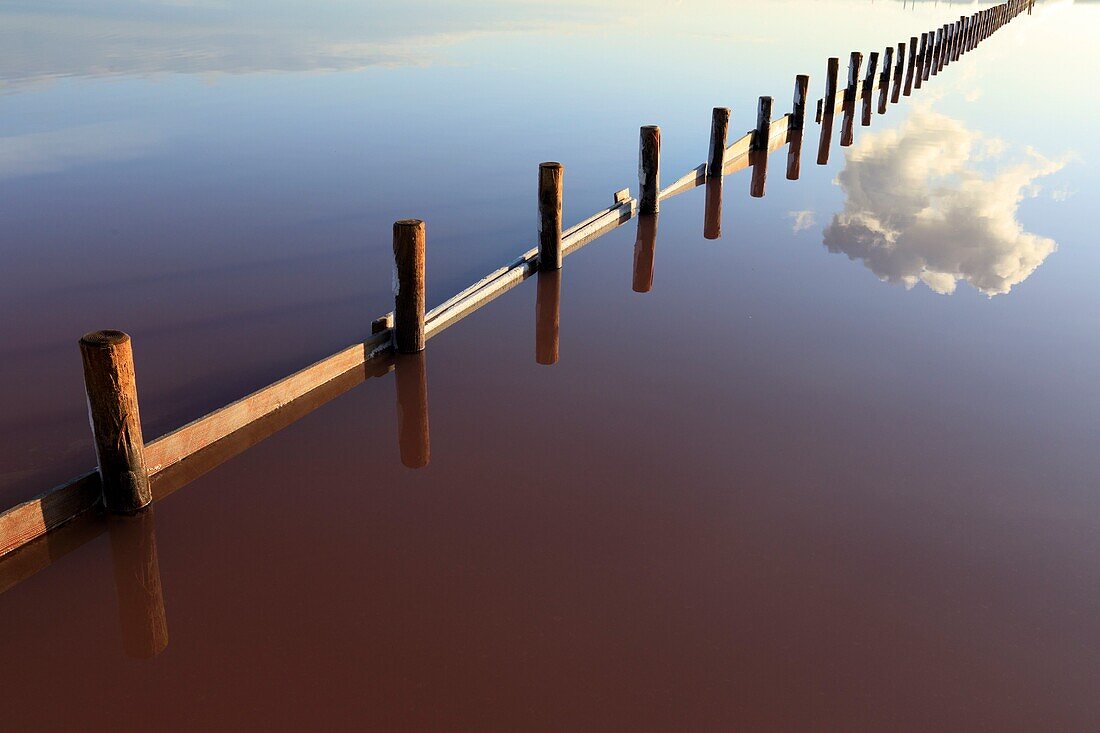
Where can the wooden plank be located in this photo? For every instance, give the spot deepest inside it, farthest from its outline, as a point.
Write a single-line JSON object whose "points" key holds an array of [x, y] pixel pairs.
{"points": [[501, 281], [194, 436], [32, 519]]}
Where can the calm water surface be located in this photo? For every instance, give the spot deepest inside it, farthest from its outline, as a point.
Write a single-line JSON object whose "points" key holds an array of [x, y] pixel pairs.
{"points": [[836, 470]]}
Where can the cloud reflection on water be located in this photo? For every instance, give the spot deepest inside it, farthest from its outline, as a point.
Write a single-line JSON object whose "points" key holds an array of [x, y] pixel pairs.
{"points": [[922, 205]]}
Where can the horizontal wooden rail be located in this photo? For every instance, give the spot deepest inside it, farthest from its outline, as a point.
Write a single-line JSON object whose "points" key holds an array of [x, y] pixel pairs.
{"points": [[31, 519]]}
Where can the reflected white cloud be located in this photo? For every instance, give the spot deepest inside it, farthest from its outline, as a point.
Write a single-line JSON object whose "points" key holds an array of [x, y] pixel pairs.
{"points": [[934, 202], [801, 220], [56, 150]]}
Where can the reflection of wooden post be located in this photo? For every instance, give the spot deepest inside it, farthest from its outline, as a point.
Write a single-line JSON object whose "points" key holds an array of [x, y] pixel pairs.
{"points": [[116, 424], [411, 378], [550, 190], [899, 73], [645, 246], [141, 614], [884, 81], [794, 155], [847, 126], [758, 147], [649, 169], [408, 295], [826, 140], [547, 316], [712, 212], [719, 130]]}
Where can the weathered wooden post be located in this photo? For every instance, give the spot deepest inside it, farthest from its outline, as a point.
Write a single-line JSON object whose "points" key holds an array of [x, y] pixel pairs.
{"points": [[116, 423], [758, 147], [408, 294], [831, 72], [649, 169], [918, 77], [869, 87], [645, 247], [550, 194], [141, 616], [910, 66], [936, 50], [547, 316], [855, 60], [796, 126], [899, 74], [719, 130], [798, 104], [945, 58], [884, 80], [930, 52], [411, 380], [846, 127]]}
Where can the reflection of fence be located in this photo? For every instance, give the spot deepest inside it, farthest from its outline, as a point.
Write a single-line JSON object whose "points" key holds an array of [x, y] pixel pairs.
{"points": [[131, 473]]}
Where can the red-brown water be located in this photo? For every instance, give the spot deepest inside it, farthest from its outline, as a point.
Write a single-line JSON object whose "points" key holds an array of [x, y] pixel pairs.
{"points": [[771, 493]]}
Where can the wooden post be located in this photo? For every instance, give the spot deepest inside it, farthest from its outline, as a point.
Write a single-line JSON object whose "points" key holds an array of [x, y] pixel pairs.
{"points": [[830, 86], [645, 246], [550, 193], [945, 59], [719, 130], [910, 66], [918, 78], [869, 87], [411, 380], [759, 147], [649, 169], [547, 316], [762, 133], [798, 106], [931, 51], [854, 62], [408, 294], [141, 616], [884, 81], [899, 74], [796, 126], [936, 50], [116, 424]]}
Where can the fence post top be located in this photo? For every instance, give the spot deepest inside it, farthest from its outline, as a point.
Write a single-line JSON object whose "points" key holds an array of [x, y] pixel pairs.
{"points": [[104, 338]]}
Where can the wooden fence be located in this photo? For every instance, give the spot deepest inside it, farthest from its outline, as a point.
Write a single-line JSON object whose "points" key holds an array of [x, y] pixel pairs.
{"points": [[132, 473]]}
